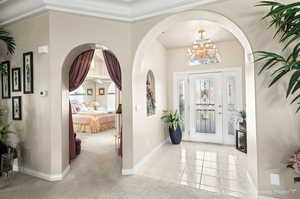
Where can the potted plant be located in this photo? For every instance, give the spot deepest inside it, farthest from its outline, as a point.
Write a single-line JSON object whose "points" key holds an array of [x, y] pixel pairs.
{"points": [[173, 120], [294, 163], [4, 136], [242, 119], [285, 19]]}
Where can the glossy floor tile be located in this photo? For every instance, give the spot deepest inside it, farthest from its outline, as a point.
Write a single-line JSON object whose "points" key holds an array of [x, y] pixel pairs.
{"points": [[214, 168]]}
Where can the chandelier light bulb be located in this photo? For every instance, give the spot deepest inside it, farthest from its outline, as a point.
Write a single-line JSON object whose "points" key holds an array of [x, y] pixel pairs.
{"points": [[203, 51]]}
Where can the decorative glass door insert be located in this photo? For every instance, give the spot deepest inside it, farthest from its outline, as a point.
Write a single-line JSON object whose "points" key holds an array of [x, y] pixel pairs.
{"points": [[206, 107]]}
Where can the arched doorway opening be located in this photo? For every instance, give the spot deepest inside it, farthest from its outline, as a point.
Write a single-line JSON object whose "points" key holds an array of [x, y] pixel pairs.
{"points": [[248, 71], [92, 108]]}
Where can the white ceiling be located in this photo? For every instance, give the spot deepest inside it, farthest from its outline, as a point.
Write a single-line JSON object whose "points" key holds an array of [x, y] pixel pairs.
{"points": [[124, 10], [184, 34]]}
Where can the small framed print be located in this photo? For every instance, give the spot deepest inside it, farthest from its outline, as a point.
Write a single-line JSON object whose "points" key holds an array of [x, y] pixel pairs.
{"points": [[101, 91], [17, 108], [16, 79], [89, 91], [28, 73], [5, 80]]}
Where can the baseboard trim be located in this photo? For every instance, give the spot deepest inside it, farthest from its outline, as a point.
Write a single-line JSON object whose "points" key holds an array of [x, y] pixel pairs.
{"points": [[147, 157], [128, 172], [16, 166], [252, 185], [265, 197], [44, 176]]}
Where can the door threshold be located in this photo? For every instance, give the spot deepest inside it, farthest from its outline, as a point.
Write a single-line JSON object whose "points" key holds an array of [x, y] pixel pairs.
{"points": [[213, 143]]}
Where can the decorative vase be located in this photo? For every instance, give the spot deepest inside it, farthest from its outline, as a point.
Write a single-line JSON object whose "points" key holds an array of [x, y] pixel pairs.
{"points": [[175, 135]]}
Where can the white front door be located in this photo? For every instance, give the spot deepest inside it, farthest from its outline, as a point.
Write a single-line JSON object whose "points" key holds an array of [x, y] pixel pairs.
{"points": [[208, 104], [206, 107]]}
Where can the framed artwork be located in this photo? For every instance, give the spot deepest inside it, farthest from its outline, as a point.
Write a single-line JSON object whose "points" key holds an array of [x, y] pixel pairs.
{"points": [[17, 108], [28, 72], [5, 80], [150, 93], [101, 91], [16, 79], [89, 91]]}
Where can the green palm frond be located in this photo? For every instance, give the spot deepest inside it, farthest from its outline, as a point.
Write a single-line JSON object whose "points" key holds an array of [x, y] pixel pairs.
{"points": [[8, 41], [285, 18]]}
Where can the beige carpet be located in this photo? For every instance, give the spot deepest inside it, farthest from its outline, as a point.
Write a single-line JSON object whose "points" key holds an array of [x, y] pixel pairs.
{"points": [[95, 174]]}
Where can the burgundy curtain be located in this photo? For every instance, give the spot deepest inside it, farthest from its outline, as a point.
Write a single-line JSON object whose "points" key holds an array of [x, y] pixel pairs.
{"points": [[113, 67], [114, 70], [77, 75]]}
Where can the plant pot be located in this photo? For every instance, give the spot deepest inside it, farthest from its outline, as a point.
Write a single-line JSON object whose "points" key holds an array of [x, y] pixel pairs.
{"points": [[175, 136], [3, 150]]}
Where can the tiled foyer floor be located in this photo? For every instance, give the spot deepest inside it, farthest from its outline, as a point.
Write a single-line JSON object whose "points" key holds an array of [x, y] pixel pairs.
{"points": [[215, 168]]}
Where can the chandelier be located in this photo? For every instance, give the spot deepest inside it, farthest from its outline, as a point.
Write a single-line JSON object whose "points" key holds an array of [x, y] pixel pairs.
{"points": [[203, 51]]}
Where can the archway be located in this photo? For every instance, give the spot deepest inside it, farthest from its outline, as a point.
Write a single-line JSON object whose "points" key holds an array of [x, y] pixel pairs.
{"points": [[228, 25], [98, 93]]}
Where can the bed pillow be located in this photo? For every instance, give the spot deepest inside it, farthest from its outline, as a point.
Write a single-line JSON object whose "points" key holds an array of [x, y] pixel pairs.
{"points": [[82, 108]]}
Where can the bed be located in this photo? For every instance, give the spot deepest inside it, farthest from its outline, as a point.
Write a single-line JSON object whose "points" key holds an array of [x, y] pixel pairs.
{"points": [[93, 121]]}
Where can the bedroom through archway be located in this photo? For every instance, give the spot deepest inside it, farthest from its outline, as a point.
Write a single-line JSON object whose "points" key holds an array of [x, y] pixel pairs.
{"points": [[95, 102]]}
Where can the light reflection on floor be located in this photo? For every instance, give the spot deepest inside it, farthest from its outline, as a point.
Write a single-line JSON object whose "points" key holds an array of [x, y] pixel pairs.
{"points": [[215, 168]]}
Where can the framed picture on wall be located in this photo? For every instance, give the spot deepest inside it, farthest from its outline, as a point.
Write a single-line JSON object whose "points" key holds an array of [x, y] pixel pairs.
{"points": [[5, 80], [17, 108], [16, 79], [101, 91], [28, 72], [89, 91]]}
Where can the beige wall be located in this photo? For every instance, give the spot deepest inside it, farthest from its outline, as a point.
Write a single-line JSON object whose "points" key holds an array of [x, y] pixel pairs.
{"points": [[68, 31], [232, 56], [62, 33], [34, 129], [277, 124], [150, 129]]}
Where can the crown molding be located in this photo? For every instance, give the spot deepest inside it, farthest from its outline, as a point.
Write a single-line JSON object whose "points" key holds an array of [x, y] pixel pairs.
{"points": [[146, 11], [129, 12]]}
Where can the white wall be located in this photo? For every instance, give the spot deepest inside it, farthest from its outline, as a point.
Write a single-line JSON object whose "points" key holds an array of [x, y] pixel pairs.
{"points": [[103, 100], [151, 130], [231, 52], [98, 67], [277, 124]]}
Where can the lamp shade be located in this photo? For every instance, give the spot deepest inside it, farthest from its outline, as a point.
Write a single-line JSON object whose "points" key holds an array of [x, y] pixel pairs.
{"points": [[119, 110]]}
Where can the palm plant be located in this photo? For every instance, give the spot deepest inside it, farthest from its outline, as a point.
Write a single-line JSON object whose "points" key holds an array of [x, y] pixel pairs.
{"points": [[9, 42], [172, 118], [285, 18], [4, 128]]}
